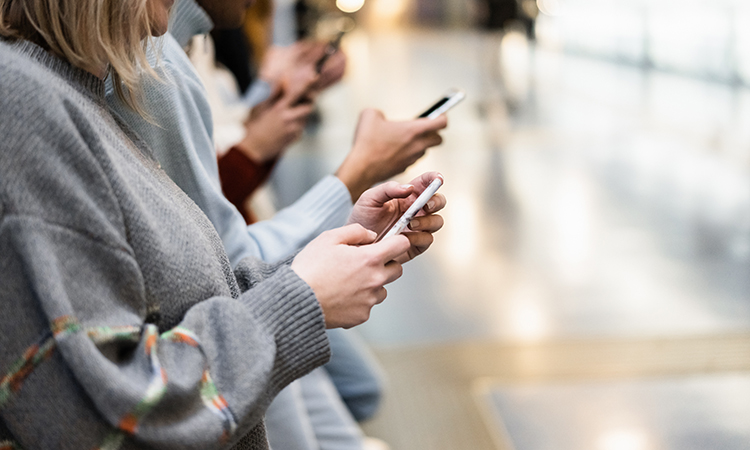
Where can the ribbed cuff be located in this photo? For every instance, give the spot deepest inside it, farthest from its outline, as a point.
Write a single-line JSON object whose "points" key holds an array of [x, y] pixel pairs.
{"points": [[328, 204], [296, 322]]}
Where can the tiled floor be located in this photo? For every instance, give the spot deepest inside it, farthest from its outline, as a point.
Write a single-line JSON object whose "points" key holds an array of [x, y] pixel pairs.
{"points": [[589, 204]]}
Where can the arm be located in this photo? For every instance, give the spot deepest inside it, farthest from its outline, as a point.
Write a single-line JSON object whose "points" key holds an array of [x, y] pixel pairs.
{"points": [[119, 377]]}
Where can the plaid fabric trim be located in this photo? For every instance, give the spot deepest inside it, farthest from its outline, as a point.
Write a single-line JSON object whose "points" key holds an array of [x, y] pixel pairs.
{"points": [[210, 395], [34, 356]]}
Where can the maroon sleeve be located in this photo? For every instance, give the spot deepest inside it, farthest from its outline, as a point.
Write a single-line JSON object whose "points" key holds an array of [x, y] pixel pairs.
{"points": [[240, 178]]}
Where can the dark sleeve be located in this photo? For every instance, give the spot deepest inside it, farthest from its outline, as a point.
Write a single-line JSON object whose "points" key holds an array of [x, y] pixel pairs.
{"points": [[241, 177]]}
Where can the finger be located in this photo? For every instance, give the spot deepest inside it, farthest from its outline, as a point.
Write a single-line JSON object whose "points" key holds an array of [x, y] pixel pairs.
{"points": [[277, 92], [380, 295], [389, 249], [430, 140], [426, 125], [394, 270], [354, 234], [382, 194], [420, 240], [300, 112], [429, 223], [421, 182], [435, 204], [371, 113]]}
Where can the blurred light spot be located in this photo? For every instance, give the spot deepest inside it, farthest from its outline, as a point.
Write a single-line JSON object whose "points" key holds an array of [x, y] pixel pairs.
{"points": [[389, 9], [528, 323], [573, 227], [515, 63], [526, 319], [462, 229], [549, 7], [623, 440], [350, 6]]}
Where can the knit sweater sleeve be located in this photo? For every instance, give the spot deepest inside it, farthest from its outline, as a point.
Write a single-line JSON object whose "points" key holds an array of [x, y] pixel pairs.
{"points": [[82, 362], [198, 385]]}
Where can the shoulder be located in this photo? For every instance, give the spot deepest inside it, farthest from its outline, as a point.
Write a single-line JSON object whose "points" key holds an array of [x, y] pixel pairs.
{"points": [[25, 85], [178, 77], [46, 163], [175, 100]]}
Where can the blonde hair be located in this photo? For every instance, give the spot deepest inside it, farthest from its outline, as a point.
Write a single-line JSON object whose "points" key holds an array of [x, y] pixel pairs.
{"points": [[89, 34]]}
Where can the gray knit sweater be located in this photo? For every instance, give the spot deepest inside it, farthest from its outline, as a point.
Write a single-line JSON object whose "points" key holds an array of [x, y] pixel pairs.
{"points": [[123, 325]]}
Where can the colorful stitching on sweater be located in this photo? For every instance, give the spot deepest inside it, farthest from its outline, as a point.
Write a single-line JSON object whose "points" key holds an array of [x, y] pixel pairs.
{"points": [[209, 393], [113, 441], [156, 388], [34, 356], [183, 335], [216, 403], [104, 335]]}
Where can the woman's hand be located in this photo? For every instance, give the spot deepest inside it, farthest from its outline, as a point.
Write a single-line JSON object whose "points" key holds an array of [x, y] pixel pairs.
{"points": [[347, 275], [384, 148], [380, 207]]}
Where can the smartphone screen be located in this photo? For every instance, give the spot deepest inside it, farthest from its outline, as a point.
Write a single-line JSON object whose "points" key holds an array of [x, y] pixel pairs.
{"points": [[331, 48], [449, 100], [418, 204], [435, 107]]}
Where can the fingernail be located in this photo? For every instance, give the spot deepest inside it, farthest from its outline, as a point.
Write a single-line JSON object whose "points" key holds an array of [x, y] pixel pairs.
{"points": [[431, 204], [407, 186], [414, 223], [373, 234]]}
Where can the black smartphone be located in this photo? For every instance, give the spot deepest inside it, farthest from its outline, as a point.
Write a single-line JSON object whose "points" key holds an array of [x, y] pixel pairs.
{"points": [[331, 48], [448, 101]]}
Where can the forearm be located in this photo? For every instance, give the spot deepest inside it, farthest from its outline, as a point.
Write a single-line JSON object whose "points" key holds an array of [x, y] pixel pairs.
{"points": [[355, 175], [325, 206], [86, 349]]}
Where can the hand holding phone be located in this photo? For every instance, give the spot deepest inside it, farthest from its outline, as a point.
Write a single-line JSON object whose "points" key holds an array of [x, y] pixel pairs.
{"points": [[450, 99], [331, 48], [412, 211]]}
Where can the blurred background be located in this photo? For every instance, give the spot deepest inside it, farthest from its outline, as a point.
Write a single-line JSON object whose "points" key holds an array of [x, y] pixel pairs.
{"points": [[590, 287]]}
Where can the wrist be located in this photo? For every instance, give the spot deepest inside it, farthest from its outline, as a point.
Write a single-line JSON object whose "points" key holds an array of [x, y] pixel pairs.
{"points": [[253, 150], [354, 176]]}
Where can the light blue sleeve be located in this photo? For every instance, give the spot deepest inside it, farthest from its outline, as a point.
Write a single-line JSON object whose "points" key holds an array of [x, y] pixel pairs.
{"points": [[180, 133]]}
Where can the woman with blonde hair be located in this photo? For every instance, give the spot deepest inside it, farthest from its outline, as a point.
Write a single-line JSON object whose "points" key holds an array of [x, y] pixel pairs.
{"points": [[123, 325]]}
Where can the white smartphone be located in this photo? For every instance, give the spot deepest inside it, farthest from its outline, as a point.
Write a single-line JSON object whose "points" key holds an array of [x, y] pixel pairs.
{"points": [[418, 204], [448, 101]]}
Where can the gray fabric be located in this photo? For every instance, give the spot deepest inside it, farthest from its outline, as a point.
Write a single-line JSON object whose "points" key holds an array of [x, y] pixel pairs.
{"points": [[93, 234], [188, 19], [309, 415]]}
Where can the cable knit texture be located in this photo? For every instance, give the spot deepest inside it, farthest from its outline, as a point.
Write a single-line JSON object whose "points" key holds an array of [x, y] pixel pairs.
{"points": [[123, 323]]}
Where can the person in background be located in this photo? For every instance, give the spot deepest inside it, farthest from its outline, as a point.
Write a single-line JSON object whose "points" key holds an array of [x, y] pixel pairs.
{"points": [[124, 325], [180, 132]]}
